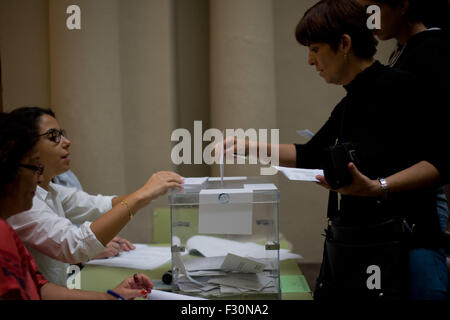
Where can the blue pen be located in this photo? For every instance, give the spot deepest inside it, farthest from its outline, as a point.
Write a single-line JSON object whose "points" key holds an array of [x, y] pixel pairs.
{"points": [[118, 296]]}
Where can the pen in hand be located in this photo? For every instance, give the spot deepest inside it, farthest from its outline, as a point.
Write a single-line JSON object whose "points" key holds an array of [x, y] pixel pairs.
{"points": [[143, 291]]}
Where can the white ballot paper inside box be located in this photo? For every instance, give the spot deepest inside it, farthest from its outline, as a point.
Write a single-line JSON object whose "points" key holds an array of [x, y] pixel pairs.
{"points": [[225, 211], [236, 263]]}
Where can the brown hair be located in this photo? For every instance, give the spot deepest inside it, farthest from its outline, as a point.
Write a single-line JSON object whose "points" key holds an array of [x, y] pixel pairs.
{"points": [[16, 140], [328, 20]]}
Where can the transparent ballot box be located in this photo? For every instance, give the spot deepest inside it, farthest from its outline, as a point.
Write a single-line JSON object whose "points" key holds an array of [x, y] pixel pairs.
{"points": [[225, 238]]}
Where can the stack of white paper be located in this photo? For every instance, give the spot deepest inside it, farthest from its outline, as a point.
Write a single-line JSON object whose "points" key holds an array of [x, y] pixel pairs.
{"points": [[230, 275]]}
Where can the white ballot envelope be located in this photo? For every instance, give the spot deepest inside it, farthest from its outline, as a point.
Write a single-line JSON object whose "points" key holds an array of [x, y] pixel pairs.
{"points": [[225, 211], [300, 174], [236, 263]]}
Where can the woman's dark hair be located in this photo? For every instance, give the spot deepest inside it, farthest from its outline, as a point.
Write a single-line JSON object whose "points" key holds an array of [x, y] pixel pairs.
{"points": [[328, 20], [30, 116], [16, 140], [432, 13]]}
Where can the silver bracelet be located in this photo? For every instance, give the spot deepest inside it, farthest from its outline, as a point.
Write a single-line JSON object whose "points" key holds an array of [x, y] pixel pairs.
{"points": [[384, 189]]}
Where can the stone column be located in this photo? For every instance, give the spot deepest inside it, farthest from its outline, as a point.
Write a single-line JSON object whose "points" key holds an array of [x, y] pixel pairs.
{"points": [[86, 91], [24, 53], [242, 68]]}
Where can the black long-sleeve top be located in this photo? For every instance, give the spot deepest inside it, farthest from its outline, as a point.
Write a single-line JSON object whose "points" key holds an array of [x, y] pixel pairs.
{"points": [[383, 114], [427, 56]]}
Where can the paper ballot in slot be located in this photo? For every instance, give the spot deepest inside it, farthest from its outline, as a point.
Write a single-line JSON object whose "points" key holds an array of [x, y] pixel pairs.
{"points": [[194, 183], [225, 211]]}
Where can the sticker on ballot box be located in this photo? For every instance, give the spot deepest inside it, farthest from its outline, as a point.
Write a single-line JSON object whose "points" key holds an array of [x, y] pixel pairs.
{"points": [[225, 211]]}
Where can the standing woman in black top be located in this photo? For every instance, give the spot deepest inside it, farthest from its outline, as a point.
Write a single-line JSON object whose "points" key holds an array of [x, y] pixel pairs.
{"points": [[379, 116], [421, 29]]}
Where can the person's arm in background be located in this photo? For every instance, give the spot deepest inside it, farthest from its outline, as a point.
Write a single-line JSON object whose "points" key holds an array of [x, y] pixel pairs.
{"points": [[130, 288], [287, 152], [109, 225], [415, 133], [292, 155], [420, 175]]}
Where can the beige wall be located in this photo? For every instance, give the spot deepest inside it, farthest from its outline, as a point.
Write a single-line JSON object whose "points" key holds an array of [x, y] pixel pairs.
{"points": [[24, 51], [139, 69]]}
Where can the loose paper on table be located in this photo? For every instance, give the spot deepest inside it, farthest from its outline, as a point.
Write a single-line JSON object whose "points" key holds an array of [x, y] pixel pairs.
{"points": [[144, 257], [163, 295]]}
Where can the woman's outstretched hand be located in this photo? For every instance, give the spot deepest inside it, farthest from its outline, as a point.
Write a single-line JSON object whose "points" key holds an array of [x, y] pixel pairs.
{"points": [[159, 184]]}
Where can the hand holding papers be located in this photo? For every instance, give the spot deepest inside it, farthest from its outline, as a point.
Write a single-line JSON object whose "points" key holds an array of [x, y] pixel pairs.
{"points": [[300, 174]]}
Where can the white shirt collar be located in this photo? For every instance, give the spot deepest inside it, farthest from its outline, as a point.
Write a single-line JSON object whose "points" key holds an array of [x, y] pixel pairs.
{"points": [[43, 194]]}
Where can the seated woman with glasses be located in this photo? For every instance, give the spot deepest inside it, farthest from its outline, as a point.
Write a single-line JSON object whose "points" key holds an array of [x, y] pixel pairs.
{"points": [[20, 172], [49, 229]]}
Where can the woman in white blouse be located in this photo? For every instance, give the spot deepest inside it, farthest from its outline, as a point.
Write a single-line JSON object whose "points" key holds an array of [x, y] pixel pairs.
{"points": [[49, 229]]}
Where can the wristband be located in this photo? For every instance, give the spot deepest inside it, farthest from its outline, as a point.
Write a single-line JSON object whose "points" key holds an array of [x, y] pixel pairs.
{"points": [[115, 295], [123, 202], [384, 189]]}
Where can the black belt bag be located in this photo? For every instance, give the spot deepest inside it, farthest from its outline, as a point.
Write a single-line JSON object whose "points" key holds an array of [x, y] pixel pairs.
{"points": [[365, 262]]}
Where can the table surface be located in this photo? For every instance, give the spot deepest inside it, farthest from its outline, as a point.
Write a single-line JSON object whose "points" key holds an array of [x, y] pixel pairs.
{"points": [[102, 278]]}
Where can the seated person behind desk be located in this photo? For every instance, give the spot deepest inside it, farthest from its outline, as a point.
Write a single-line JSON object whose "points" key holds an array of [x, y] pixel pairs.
{"points": [[48, 229], [20, 172]]}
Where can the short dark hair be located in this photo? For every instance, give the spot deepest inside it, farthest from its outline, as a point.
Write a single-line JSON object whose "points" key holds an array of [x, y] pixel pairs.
{"points": [[30, 116], [432, 13], [328, 20], [16, 141]]}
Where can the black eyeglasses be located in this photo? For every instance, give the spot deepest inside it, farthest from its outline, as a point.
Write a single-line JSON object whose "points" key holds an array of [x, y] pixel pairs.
{"points": [[38, 170], [54, 135]]}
